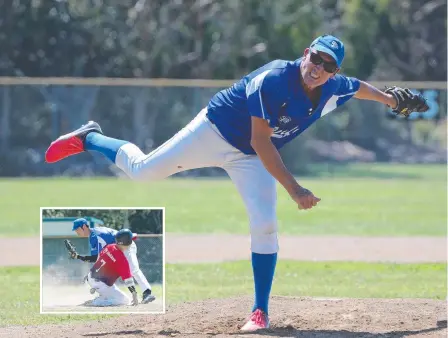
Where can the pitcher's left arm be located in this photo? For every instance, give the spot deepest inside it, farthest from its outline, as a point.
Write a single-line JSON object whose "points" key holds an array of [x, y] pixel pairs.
{"points": [[401, 100]]}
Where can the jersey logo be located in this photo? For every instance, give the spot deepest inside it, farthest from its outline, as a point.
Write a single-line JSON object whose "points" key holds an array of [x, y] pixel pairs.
{"points": [[281, 133], [284, 119]]}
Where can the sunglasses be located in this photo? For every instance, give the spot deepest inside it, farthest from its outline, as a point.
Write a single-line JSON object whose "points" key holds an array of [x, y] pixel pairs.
{"points": [[316, 59]]}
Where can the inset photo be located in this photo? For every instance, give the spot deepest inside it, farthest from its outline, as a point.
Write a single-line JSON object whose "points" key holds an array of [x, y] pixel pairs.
{"points": [[102, 260]]}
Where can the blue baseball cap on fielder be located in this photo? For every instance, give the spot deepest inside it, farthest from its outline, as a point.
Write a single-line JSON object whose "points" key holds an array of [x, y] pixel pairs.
{"points": [[77, 223], [331, 45]]}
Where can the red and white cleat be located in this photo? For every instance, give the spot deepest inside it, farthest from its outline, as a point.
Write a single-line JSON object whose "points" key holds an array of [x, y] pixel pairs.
{"points": [[70, 144], [257, 321]]}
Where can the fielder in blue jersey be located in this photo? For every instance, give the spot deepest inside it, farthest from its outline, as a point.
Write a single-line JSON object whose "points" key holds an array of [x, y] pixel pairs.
{"points": [[241, 130], [99, 237]]}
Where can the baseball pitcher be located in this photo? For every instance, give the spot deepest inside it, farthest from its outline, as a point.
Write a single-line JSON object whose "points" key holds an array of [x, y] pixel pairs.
{"points": [[241, 130], [99, 237], [110, 265]]}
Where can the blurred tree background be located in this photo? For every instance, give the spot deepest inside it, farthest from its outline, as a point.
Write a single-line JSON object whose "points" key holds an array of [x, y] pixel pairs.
{"points": [[209, 39], [386, 40], [140, 221]]}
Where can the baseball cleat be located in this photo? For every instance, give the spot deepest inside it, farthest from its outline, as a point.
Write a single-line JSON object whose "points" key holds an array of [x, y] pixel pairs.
{"points": [[257, 321], [147, 297], [71, 143]]}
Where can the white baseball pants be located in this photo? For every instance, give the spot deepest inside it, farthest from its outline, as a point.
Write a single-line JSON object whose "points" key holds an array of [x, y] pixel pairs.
{"points": [[200, 145], [131, 255], [108, 295]]}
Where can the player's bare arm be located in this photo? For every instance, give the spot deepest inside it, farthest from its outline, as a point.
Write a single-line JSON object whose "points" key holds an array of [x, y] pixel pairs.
{"points": [[129, 283], [269, 155], [368, 92], [401, 100]]}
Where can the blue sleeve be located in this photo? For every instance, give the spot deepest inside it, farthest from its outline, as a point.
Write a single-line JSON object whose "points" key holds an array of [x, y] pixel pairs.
{"points": [[348, 86], [93, 245], [266, 93]]}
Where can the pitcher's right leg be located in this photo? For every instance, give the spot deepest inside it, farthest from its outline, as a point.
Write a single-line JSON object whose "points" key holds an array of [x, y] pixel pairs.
{"points": [[196, 146]]}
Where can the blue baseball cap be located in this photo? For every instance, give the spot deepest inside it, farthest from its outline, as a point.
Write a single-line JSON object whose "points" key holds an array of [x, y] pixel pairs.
{"points": [[330, 45], [77, 223]]}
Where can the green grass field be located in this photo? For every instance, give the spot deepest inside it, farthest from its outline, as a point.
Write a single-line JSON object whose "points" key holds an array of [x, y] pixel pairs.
{"points": [[321, 279], [190, 282], [408, 200]]}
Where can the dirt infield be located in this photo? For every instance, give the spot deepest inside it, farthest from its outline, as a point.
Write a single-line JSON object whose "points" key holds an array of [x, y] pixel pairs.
{"points": [[63, 298], [215, 248], [291, 317]]}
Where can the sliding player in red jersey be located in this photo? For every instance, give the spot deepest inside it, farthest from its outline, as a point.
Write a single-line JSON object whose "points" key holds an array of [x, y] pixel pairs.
{"points": [[110, 265]]}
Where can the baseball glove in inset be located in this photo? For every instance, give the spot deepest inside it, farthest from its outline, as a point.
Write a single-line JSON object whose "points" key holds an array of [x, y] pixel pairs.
{"points": [[71, 249], [408, 102]]}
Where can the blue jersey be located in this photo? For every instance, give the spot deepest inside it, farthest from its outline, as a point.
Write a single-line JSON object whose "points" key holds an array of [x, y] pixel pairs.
{"points": [[99, 238], [274, 93]]}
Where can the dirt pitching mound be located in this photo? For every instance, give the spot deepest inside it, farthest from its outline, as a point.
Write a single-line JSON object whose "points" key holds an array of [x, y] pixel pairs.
{"points": [[290, 317]]}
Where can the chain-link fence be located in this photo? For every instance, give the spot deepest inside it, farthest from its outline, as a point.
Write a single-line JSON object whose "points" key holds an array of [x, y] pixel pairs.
{"points": [[58, 267]]}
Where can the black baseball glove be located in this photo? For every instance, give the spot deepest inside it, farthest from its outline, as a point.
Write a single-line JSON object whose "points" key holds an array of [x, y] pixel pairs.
{"points": [[407, 101], [71, 249]]}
